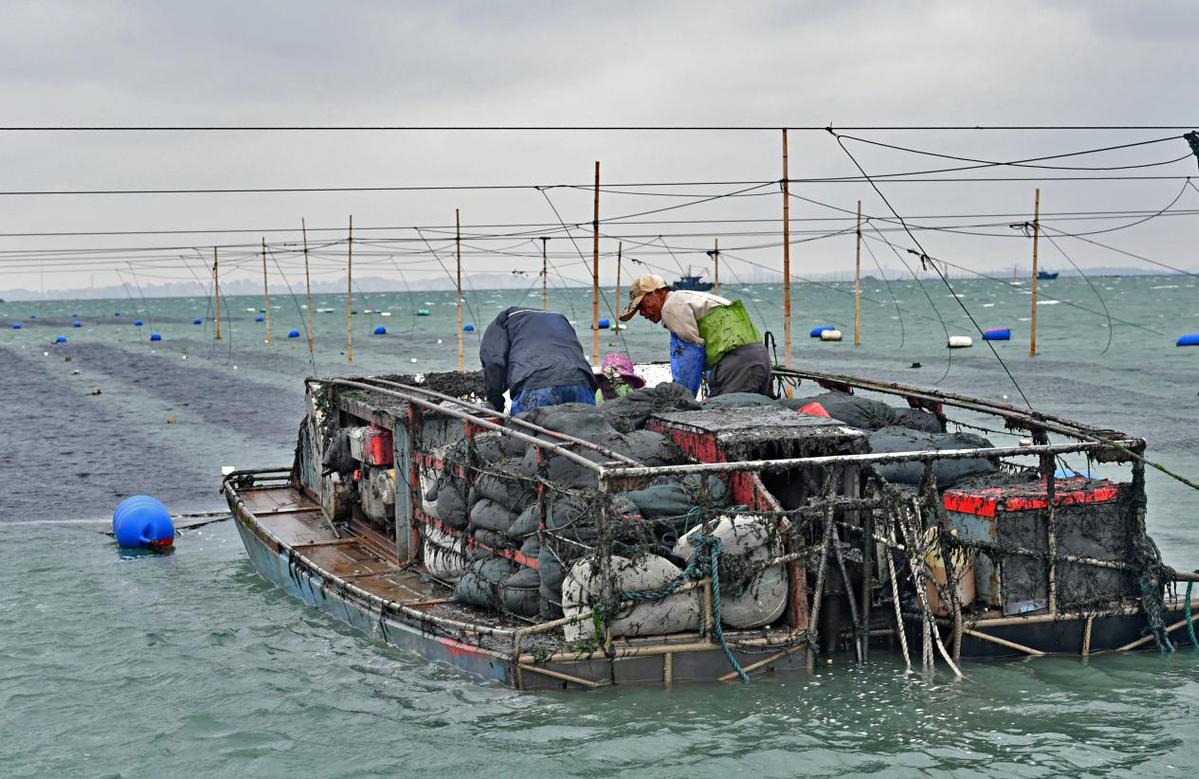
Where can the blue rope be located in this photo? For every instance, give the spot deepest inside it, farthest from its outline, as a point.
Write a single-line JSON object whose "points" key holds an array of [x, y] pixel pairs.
{"points": [[707, 554], [1187, 614]]}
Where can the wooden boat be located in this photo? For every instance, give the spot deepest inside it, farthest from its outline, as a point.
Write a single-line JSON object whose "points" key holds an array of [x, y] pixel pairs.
{"points": [[860, 556]]}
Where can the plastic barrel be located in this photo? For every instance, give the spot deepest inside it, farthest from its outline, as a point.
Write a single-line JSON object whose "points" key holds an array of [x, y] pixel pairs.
{"points": [[1190, 339], [816, 331], [293, 333], [138, 323], [380, 330], [197, 321], [604, 324], [16, 325], [143, 522], [76, 324], [260, 318], [155, 337], [62, 339], [997, 334]]}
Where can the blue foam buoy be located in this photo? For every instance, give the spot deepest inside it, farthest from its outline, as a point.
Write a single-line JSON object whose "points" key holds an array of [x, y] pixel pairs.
{"points": [[143, 522], [16, 325], [197, 321], [468, 328], [380, 330], [816, 331], [997, 334], [117, 313], [76, 324], [62, 339], [259, 318], [155, 337], [138, 323], [1190, 339], [604, 324], [293, 333]]}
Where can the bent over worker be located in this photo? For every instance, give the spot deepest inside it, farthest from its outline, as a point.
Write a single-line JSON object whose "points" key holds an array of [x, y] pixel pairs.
{"points": [[536, 357], [708, 326]]}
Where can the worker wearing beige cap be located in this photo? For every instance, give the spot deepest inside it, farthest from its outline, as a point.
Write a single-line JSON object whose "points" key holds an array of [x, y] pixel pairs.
{"points": [[707, 332]]}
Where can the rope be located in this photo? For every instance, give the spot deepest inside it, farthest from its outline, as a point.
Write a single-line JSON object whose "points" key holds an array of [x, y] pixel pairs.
{"points": [[707, 555]]}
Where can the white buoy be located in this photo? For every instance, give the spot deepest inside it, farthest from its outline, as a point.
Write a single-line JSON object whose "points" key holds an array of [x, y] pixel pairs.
{"points": [[830, 335], [960, 342]]}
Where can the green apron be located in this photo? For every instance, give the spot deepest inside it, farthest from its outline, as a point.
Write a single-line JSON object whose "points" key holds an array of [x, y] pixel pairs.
{"points": [[724, 328]]}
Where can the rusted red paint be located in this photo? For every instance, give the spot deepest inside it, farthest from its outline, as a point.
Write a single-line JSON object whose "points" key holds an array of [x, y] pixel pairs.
{"points": [[987, 502]]}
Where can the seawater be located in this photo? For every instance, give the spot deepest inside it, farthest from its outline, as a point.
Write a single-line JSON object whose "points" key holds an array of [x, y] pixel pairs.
{"points": [[117, 664]]}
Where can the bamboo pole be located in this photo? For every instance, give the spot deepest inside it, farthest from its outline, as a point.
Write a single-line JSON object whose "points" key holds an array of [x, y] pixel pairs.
{"points": [[786, 260], [857, 285], [266, 295], [458, 287], [595, 273], [1002, 642], [350, 293], [216, 290], [616, 325], [716, 265], [545, 299], [307, 282], [1036, 229]]}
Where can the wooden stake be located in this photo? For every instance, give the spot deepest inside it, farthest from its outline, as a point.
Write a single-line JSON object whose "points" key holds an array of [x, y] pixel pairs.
{"points": [[350, 293], [1036, 229], [266, 295], [216, 290], [545, 300], [716, 264], [307, 282], [857, 285], [786, 260], [458, 251], [616, 325], [595, 360]]}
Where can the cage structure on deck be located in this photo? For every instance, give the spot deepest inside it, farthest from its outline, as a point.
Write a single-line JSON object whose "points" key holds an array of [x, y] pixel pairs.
{"points": [[655, 539]]}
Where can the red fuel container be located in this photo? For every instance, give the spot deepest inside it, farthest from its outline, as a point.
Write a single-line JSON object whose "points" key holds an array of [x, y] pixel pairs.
{"points": [[377, 447]]}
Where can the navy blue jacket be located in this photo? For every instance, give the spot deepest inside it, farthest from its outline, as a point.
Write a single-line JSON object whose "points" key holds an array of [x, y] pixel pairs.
{"points": [[526, 348]]}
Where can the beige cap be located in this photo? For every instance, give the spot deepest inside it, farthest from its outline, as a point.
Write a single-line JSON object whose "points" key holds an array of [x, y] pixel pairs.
{"points": [[641, 287]]}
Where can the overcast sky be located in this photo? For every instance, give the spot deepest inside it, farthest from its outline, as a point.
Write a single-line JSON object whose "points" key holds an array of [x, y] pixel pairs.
{"points": [[566, 63]]}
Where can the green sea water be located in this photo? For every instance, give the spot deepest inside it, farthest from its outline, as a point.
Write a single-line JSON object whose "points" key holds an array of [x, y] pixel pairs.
{"points": [[117, 664]]}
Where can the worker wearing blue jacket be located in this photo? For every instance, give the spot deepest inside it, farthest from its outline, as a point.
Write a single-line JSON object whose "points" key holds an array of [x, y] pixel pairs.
{"points": [[536, 357]]}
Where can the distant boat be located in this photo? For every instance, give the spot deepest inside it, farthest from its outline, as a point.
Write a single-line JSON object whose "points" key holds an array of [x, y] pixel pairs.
{"points": [[1044, 275], [692, 283]]}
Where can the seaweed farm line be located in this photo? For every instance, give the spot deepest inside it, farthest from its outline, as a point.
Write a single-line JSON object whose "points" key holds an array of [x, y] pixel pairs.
{"points": [[151, 666]]}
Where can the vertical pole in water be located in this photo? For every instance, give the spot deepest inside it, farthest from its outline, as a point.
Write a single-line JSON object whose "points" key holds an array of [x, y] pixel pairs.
{"points": [[716, 264], [786, 260], [458, 251], [266, 295], [307, 282], [216, 290], [1036, 229], [545, 299], [350, 293], [595, 273], [618, 308], [857, 285]]}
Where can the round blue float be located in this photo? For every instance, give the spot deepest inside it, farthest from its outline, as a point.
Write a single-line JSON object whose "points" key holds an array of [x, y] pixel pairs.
{"points": [[33, 316], [997, 334], [259, 318], [155, 337], [138, 323], [143, 522], [1190, 339], [604, 324], [380, 330], [468, 328], [293, 333], [197, 321], [117, 313], [76, 324], [62, 339], [16, 325], [816, 331]]}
